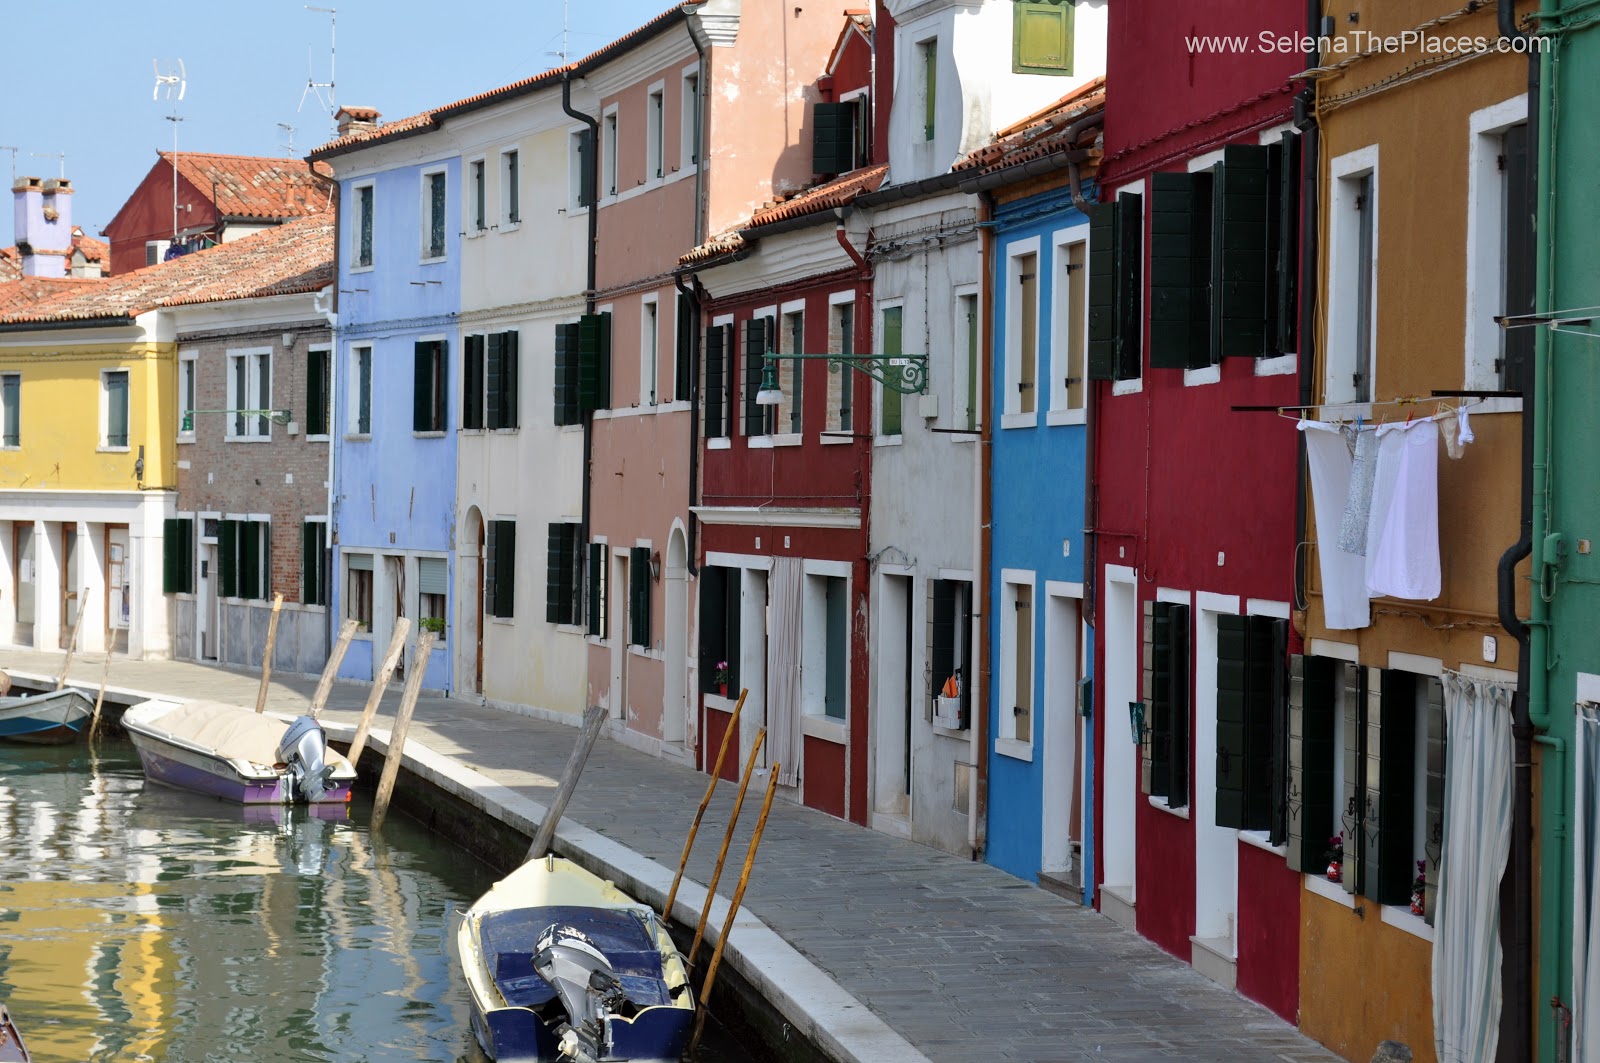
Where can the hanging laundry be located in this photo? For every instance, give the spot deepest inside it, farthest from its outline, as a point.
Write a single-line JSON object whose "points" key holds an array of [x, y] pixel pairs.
{"points": [[1403, 536], [1357, 508], [1457, 432], [1345, 602]]}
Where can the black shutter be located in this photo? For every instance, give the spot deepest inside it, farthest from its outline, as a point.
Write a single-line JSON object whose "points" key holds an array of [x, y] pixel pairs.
{"points": [[1180, 268], [505, 581], [1249, 693], [177, 557], [310, 563], [586, 168], [755, 349], [316, 393], [1102, 292], [228, 558], [1239, 262], [1396, 784], [249, 559], [639, 595], [422, 388], [1521, 255], [683, 375], [943, 634], [733, 615], [713, 624], [832, 138], [1178, 702], [1232, 715], [594, 362], [1130, 286], [1354, 679], [491, 546], [491, 350], [1433, 799], [1167, 701], [597, 560], [1273, 764], [508, 380], [566, 366], [556, 569], [472, 383], [1313, 700], [716, 382], [1283, 245]]}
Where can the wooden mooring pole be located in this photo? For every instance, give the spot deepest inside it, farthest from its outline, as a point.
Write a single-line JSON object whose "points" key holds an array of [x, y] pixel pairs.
{"points": [[402, 724], [72, 642], [99, 699], [592, 721], [727, 840], [266, 657], [347, 631], [380, 683], [711, 788], [733, 910]]}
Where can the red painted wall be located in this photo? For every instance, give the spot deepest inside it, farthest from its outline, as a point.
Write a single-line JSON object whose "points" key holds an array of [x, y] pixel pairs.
{"points": [[147, 215], [1165, 878], [1269, 931], [825, 783], [716, 725]]}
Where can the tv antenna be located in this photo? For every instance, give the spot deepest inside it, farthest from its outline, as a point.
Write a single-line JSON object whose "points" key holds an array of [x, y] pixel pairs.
{"points": [[562, 54], [61, 156], [288, 131], [174, 85], [313, 86], [14, 153]]}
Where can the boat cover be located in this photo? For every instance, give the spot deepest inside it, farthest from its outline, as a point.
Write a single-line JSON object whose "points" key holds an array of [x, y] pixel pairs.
{"points": [[232, 731], [509, 938]]}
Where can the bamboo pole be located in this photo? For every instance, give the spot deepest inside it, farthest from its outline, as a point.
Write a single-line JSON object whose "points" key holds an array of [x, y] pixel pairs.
{"points": [[733, 910], [569, 782], [266, 657], [711, 788], [727, 839], [402, 724], [72, 642], [380, 683], [105, 677], [347, 631]]}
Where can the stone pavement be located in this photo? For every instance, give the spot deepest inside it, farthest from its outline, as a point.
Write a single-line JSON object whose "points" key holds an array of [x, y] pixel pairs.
{"points": [[967, 963]]}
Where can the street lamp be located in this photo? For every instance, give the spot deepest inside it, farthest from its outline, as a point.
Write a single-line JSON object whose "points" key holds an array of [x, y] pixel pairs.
{"points": [[911, 379]]}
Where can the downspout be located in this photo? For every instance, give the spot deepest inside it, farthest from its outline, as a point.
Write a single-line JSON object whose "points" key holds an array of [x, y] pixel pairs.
{"points": [[1310, 214], [692, 293], [978, 732], [322, 303], [1517, 1019], [593, 195]]}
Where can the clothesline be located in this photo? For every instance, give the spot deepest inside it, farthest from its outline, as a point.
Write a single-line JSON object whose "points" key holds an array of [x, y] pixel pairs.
{"points": [[1444, 410]]}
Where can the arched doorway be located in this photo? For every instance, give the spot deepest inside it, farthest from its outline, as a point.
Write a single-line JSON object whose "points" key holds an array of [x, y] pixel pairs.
{"points": [[675, 688], [469, 578]]}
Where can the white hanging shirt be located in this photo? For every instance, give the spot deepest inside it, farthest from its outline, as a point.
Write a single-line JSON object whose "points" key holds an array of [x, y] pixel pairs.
{"points": [[1345, 602], [1403, 537]]}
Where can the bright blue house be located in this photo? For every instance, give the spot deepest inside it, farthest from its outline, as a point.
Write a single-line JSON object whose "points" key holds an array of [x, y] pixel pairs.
{"points": [[394, 443], [1040, 812]]}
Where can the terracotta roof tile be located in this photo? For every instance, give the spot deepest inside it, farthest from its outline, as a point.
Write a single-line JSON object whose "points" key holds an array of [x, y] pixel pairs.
{"points": [[249, 186], [93, 251], [814, 200], [1042, 133]]}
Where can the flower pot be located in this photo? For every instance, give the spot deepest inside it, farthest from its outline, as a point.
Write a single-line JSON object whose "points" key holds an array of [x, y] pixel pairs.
{"points": [[722, 689], [1419, 903], [1335, 871]]}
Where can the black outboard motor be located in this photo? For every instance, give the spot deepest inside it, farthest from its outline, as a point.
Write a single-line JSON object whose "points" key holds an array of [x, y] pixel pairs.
{"points": [[304, 748], [587, 985]]}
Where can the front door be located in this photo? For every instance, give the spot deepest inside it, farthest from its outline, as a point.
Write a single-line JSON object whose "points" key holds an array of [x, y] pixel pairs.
{"points": [[69, 582], [23, 576], [477, 626]]}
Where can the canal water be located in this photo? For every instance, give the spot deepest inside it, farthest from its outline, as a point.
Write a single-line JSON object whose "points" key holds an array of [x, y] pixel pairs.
{"points": [[140, 923]]}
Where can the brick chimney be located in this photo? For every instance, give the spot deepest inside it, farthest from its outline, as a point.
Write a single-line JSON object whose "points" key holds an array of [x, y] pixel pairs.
{"points": [[43, 224], [355, 121]]}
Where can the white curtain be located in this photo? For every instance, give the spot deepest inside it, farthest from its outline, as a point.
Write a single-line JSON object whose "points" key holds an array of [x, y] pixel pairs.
{"points": [[1477, 841], [1585, 920], [1345, 602], [785, 593]]}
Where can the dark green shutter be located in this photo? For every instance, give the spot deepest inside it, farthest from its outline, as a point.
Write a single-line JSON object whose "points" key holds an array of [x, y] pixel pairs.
{"points": [[1168, 715], [1102, 292], [311, 563], [1249, 692], [555, 567], [250, 559], [586, 167], [639, 595], [1283, 244], [1180, 268], [1041, 37], [890, 402], [716, 382], [1391, 783], [422, 388], [177, 544], [713, 624], [597, 560], [1313, 700], [491, 546], [1130, 286], [566, 375], [1239, 255], [505, 582], [594, 362], [509, 360], [1354, 679], [472, 383], [491, 349], [755, 350], [832, 138], [316, 393], [1232, 715], [1433, 799], [228, 558], [683, 365]]}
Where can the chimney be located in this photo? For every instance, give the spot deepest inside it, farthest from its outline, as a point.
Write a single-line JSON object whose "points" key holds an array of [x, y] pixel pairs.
{"points": [[43, 225], [357, 121]]}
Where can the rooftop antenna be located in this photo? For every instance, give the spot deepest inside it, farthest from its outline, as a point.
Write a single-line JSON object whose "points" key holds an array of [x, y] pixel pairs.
{"points": [[288, 131], [14, 152], [562, 54], [174, 85], [59, 155], [313, 86]]}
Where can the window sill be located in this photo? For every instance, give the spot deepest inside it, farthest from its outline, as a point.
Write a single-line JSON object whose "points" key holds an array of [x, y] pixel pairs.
{"points": [[361, 636], [719, 443], [247, 439], [573, 629], [1160, 803], [183, 441], [1259, 839], [1056, 418], [434, 261], [511, 226], [475, 233], [962, 733], [720, 703], [1019, 420], [1127, 387], [318, 437], [1405, 919], [1330, 891], [111, 450], [1282, 365], [964, 437], [1194, 378], [888, 441], [472, 431], [596, 640], [503, 621], [1011, 747], [646, 652], [358, 437], [825, 728], [787, 439], [836, 439], [428, 435]]}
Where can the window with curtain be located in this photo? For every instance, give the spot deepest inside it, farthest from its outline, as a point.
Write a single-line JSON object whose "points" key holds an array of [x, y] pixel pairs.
{"points": [[114, 422], [319, 389], [11, 407], [433, 579], [364, 226], [358, 589], [434, 244]]}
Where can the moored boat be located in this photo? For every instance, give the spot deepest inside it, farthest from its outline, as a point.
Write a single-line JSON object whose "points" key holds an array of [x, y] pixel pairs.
{"points": [[562, 965], [237, 754], [12, 1050], [52, 718]]}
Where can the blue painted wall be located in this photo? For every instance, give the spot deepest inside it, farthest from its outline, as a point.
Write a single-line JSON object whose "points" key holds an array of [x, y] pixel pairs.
{"points": [[396, 482], [1039, 494]]}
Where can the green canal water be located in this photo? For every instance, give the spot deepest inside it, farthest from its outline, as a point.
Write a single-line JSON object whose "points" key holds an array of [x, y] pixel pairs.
{"points": [[141, 923]]}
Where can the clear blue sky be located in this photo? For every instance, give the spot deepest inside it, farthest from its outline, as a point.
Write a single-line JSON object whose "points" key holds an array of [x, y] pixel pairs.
{"points": [[79, 74]]}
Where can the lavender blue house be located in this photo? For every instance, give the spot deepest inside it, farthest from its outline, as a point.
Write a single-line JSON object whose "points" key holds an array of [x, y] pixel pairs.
{"points": [[394, 436]]}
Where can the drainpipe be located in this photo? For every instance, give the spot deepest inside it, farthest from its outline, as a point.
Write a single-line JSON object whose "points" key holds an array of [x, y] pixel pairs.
{"points": [[978, 732], [593, 192], [692, 293], [322, 303], [1310, 211]]}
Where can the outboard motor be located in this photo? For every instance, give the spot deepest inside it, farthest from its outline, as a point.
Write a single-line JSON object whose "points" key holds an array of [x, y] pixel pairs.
{"points": [[587, 985], [304, 748]]}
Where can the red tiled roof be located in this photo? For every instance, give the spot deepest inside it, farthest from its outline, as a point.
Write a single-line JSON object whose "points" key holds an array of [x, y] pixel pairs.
{"points": [[283, 260], [1042, 133], [360, 114], [249, 186], [435, 116], [814, 200]]}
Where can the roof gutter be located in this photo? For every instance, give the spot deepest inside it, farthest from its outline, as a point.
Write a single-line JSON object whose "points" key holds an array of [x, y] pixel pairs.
{"points": [[63, 325]]}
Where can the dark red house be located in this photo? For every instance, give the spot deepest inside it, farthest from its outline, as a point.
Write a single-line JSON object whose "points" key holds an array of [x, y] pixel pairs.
{"points": [[1195, 338]]}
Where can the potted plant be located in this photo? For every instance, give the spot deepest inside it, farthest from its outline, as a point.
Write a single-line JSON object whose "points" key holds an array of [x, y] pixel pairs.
{"points": [[721, 677], [434, 624], [1335, 858], [1419, 890]]}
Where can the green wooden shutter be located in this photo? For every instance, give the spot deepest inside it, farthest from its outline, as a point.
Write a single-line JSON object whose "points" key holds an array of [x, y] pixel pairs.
{"points": [[891, 401], [713, 624], [364, 393], [228, 558], [491, 350], [472, 382], [509, 362], [554, 566], [683, 362], [1130, 286], [1041, 37], [639, 595], [586, 168], [832, 138], [594, 362], [1180, 265], [1239, 256], [566, 375], [716, 382], [597, 560], [491, 547], [316, 393], [422, 388], [1232, 716], [505, 582], [171, 556], [311, 563], [250, 559], [755, 349], [1103, 291], [1284, 247], [1270, 753], [1433, 799], [930, 87], [1313, 700]]}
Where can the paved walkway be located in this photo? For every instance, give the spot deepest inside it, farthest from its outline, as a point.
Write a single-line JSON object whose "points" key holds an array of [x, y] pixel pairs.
{"points": [[966, 963]]}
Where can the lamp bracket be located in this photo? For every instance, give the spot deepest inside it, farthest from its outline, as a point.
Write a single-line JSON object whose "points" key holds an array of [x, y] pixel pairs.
{"points": [[912, 378]]}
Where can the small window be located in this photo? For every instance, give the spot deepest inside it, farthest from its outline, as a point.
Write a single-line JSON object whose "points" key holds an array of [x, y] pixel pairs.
{"points": [[840, 136], [430, 394], [319, 390], [928, 53], [657, 133], [791, 372], [720, 384], [433, 582], [611, 153], [361, 392], [249, 394], [758, 419], [114, 408], [364, 226], [639, 583], [1016, 662], [244, 559], [719, 629], [358, 590], [11, 407], [433, 215], [1022, 334], [510, 187], [950, 650], [691, 118], [682, 362], [1116, 288], [177, 555], [825, 619], [1041, 37], [1165, 771], [649, 352], [480, 199], [841, 340], [562, 561], [187, 364], [489, 381], [314, 562]]}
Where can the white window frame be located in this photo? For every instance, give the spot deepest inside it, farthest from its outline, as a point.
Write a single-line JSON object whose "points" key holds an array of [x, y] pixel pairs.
{"points": [[18, 375], [105, 409], [1341, 343], [731, 365], [188, 364], [839, 436], [923, 87], [958, 362], [814, 720], [1010, 580], [790, 370], [655, 132], [477, 189], [356, 189], [425, 213], [1012, 416], [510, 212], [1486, 217], [649, 350], [764, 439], [690, 147], [1061, 410], [610, 150], [860, 141], [252, 399], [1134, 385], [879, 439], [353, 424], [333, 408]]}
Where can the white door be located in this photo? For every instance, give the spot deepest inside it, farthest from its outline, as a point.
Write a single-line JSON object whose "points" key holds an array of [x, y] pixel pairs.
{"points": [[1061, 673]]}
